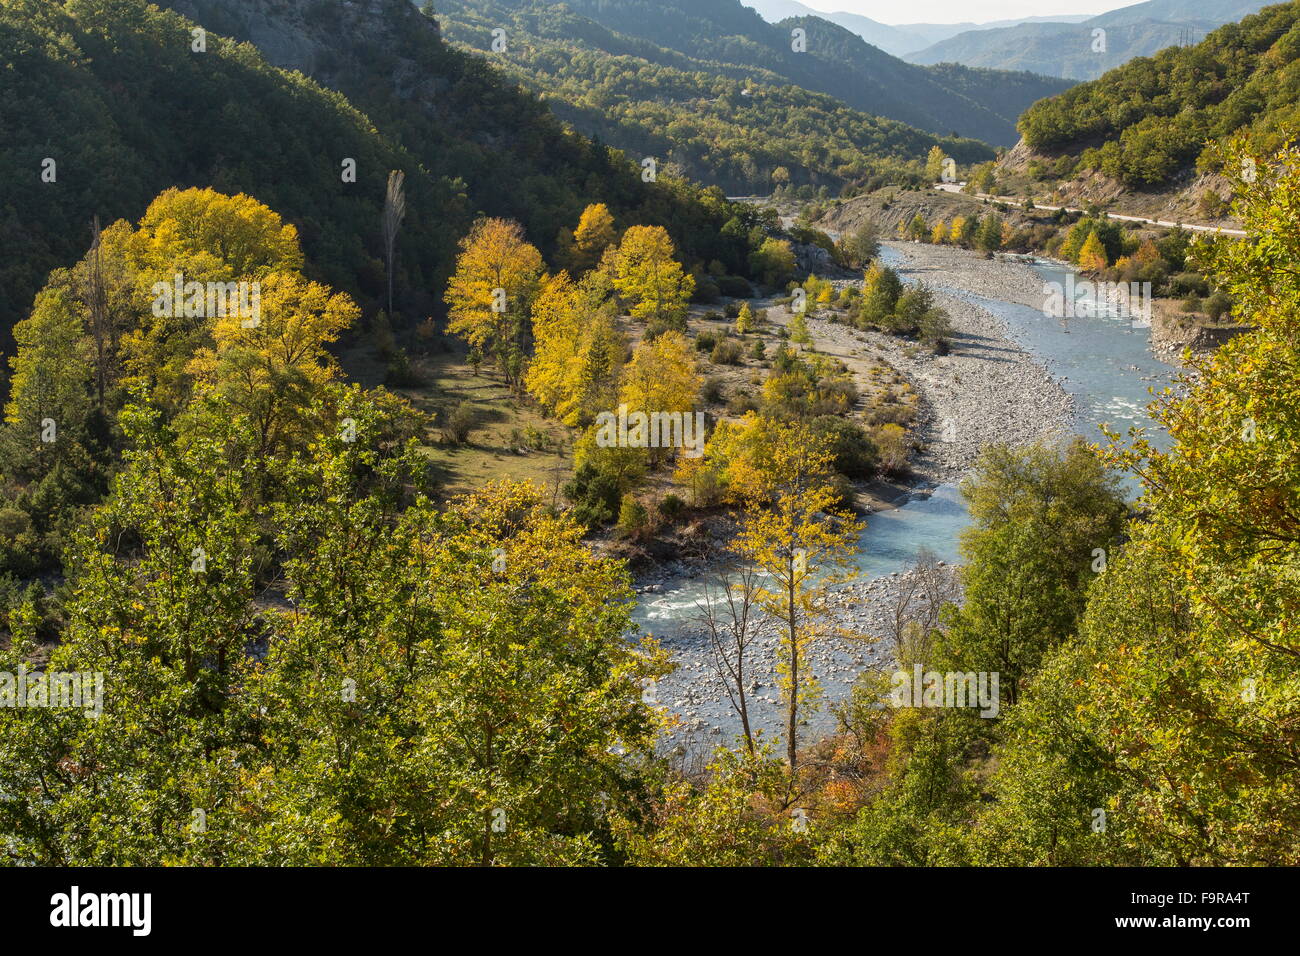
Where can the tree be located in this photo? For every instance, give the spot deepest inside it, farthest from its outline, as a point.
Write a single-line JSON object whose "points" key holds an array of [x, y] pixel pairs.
{"points": [[799, 329], [1092, 256], [275, 369], [647, 275], [595, 234], [53, 376], [773, 262], [989, 237], [579, 349], [1041, 520], [201, 236], [492, 289], [449, 687], [934, 164], [732, 617], [863, 245], [881, 289], [793, 529], [745, 319], [394, 213], [661, 377]]}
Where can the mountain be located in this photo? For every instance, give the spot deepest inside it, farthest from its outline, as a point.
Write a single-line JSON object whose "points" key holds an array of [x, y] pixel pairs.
{"points": [[729, 126], [895, 41], [1069, 49], [126, 109], [724, 37], [1152, 125]]}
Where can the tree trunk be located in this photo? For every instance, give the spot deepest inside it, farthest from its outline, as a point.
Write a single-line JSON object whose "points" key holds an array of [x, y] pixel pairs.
{"points": [[793, 712]]}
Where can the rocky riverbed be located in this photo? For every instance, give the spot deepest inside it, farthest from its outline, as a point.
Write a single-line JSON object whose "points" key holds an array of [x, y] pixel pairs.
{"points": [[988, 389]]}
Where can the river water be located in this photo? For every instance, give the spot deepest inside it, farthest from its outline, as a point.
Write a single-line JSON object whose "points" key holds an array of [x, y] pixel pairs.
{"points": [[1103, 362]]}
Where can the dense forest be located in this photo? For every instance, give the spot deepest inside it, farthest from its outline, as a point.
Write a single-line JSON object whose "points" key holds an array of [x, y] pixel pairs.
{"points": [[727, 39], [105, 103], [1149, 121], [729, 125]]}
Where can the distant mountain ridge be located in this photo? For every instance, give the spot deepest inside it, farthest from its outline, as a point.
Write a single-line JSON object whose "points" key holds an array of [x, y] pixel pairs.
{"points": [[1070, 50], [896, 40], [732, 39]]}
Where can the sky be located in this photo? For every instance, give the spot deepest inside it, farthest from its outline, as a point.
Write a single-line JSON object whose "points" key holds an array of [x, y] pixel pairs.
{"points": [[962, 11]]}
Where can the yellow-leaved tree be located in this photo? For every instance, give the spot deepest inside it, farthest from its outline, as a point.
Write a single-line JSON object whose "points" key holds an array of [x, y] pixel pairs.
{"points": [[649, 278], [189, 236], [579, 349], [661, 377], [595, 234], [795, 529], [272, 366], [490, 293]]}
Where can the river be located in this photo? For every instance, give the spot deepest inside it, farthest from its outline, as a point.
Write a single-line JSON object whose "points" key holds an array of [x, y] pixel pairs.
{"points": [[1104, 362]]}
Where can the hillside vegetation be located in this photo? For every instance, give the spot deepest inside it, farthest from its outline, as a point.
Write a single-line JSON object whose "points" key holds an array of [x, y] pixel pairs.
{"points": [[717, 123], [723, 38], [1147, 123], [113, 93], [1069, 49]]}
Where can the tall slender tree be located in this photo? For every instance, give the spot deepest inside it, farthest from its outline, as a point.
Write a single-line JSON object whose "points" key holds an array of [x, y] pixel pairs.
{"points": [[394, 213]]}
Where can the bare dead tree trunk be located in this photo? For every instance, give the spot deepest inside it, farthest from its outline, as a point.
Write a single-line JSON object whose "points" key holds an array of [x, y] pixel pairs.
{"points": [[394, 213]]}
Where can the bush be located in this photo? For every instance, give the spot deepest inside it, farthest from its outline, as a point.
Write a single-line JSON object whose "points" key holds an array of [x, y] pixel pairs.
{"points": [[1188, 284], [758, 350], [1218, 305], [742, 402], [594, 496], [856, 455], [711, 389], [705, 341], [632, 517], [458, 423], [935, 328], [400, 373], [671, 507], [735, 287], [727, 352]]}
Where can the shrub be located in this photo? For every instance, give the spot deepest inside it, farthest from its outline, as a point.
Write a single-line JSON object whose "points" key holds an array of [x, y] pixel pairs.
{"points": [[727, 352], [671, 507], [632, 517], [856, 455], [594, 496], [459, 421]]}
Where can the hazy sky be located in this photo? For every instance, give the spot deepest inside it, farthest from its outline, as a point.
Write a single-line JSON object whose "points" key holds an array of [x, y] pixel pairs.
{"points": [[962, 11]]}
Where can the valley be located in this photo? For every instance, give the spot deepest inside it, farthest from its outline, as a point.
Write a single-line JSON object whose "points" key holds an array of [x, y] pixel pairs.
{"points": [[625, 434]]}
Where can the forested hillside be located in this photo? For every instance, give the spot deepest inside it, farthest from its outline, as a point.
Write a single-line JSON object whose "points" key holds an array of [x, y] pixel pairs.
{"points": [[723, 37], [1148, 122], [718, 123], [114, 95]]}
